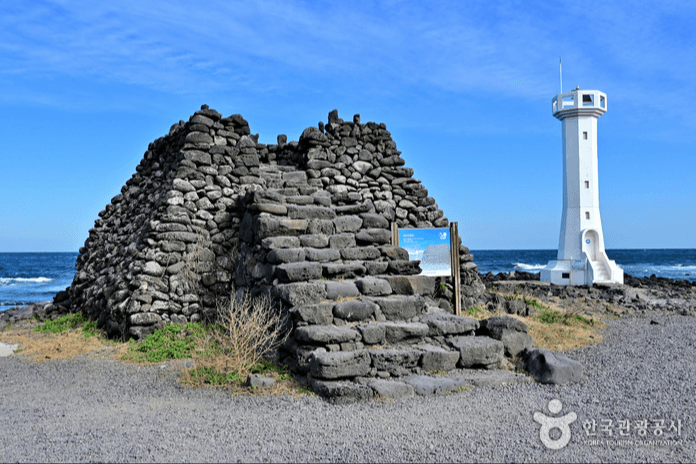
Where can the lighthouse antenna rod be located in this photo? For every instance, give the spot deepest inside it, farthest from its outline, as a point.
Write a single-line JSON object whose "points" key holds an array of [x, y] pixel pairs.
{"points": [[560, 70]]}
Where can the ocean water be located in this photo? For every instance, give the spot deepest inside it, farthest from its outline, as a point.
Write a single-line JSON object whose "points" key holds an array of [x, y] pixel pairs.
{"points": [[670, 263], [27, 278]]}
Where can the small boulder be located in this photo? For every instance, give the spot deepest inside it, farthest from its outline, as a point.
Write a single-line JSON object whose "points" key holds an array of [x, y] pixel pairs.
{"points": [[341, 392], [477, 351], [388, 389], [255, 380], [510, 331], [553, 368]]}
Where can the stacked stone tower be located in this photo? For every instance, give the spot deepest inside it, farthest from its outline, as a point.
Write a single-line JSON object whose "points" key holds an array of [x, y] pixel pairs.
{"points": [[212, 212]]}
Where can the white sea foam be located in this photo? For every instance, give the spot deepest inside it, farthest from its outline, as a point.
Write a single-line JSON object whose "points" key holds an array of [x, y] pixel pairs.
{"points": [[13, 280], [528, 267]]}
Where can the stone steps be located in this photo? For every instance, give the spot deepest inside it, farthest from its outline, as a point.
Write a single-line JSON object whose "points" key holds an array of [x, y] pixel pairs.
{"points": [[359, 308]]}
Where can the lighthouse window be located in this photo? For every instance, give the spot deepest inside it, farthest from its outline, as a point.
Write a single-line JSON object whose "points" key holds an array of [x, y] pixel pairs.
{"points": [[602, 102], [587, 185], [588, 100], [565, 275], [587, 215], [584, 135]]}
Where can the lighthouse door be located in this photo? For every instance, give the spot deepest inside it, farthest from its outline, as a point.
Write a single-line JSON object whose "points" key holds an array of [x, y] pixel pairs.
{"points": [[590, 244]]}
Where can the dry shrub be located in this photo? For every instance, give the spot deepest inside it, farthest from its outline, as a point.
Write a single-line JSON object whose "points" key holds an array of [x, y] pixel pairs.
{"points": [[250, 328]]}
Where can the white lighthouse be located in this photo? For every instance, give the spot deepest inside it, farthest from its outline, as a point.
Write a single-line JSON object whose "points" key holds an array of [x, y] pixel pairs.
{"points": [[581, 257]]}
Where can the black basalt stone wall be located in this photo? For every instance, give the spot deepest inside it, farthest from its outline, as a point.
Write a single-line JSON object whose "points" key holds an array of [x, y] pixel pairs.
{"points": [[211, 211]]}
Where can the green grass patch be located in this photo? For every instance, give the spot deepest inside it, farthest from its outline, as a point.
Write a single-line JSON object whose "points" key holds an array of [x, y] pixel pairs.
{"points": [[550, 316], [211, 376], [474, 311], [305, 390], [266, 367], [534, 304], [170, 342], [63, 323], [89, 329]]}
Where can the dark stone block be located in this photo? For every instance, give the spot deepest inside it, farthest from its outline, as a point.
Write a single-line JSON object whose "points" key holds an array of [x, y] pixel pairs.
{"points": [[300, 293], [297, 272], [314, 241], [510, 331], [326, 334], [347, 224], [340, 364], [341, 392], [322, 255], [449, 324], [373, 334], [387, 389], [310, 212], [336, 290], [272, 243], [375, 267], [320, 314], [401, 308], [342, 241], [396, 362], [412, 285], [320, 226], [438, 359], [373, 236], [285, 255], [399, 331], [343, 271], [551, 368], [355, 310], [360, 253], [145, 318], [477, 351], [516, 307], [373, 286], [267, 226], [404, 267]]}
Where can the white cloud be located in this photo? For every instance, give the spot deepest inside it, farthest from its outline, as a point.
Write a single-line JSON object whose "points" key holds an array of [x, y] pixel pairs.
{"points": [[510, 48]]}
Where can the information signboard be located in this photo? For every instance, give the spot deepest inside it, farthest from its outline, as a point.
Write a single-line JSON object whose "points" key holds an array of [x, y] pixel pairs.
{"points": [[431, 247]]}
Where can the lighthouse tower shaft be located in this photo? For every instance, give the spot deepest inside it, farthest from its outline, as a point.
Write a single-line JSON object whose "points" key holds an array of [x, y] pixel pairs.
{"points": [[581, 256], [580, 184]]}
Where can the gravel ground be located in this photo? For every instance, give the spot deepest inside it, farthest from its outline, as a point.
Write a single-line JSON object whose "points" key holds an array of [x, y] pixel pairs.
{"points": [[90, 409]]}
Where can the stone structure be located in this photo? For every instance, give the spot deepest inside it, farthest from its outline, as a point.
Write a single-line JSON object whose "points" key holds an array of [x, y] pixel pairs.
{"points": [[581, 257], [211, 212]]}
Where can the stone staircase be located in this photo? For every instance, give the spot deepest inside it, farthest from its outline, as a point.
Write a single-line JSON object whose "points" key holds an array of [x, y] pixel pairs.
{"points": [[360, 313], [602, 272]]}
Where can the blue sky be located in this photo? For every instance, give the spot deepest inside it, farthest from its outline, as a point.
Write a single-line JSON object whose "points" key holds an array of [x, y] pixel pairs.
{"points": [[464, 87]]}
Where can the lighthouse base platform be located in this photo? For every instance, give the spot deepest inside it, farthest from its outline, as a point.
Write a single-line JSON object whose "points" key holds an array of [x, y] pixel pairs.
{"points": [[582, 272]]}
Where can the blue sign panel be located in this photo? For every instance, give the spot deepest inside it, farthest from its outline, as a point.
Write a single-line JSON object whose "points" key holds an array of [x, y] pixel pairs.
{"points": [[431, 247]]}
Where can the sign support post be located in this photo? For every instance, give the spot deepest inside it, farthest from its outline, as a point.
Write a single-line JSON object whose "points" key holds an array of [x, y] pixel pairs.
{"points": [[454, 265]]}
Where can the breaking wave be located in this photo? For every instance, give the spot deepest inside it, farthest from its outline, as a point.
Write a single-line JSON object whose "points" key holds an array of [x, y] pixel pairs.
{"points": [[528, 267], [11, 280]]}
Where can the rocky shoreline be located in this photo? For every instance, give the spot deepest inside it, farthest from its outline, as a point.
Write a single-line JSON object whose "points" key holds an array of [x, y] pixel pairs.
{"points": [[640, 296]]}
